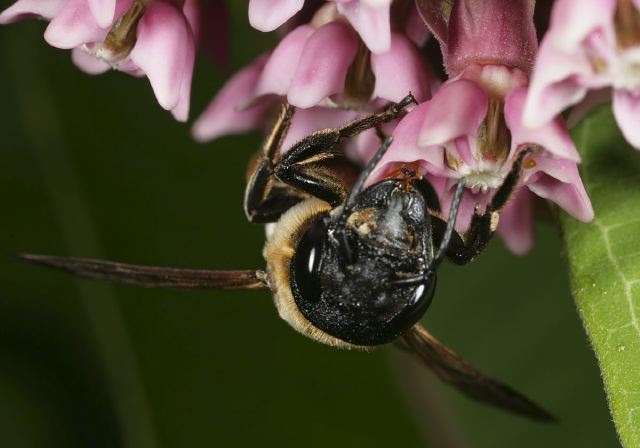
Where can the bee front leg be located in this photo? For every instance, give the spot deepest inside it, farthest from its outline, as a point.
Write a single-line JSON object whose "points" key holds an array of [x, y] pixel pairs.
{"points": [[307, 165], [483, 225]]}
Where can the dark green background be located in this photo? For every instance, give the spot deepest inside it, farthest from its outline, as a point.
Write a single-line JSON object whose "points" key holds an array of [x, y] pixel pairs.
{"points": [[92, 166]]}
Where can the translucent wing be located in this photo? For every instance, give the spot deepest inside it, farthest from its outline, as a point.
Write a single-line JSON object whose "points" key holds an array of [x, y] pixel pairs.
{"points": [[151, 276], [454, 370]]}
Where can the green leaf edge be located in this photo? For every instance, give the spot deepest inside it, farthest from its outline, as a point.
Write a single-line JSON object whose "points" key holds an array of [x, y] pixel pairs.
{"points": [[604, 264]]}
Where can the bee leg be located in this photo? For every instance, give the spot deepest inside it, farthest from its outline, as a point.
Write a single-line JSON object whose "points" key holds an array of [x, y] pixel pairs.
{"points": [[266, 198], [483, 226], [304, 166]]}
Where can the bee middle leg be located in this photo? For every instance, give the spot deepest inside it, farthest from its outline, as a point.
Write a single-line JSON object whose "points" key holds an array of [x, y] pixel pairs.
{"points": [[265, 197]]}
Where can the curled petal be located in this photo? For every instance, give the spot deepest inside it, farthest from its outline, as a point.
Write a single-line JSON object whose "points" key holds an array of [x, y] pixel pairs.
{"points": [[323, 65], [626, 108], [456, 110], [267, 15], [88, 63], [222, 116], [401, 70], [281, 67], [371, 20], [516, 222], [552, 136], [24, 9], [560, 182], [73, 26], [103, 11], [161, 51]]}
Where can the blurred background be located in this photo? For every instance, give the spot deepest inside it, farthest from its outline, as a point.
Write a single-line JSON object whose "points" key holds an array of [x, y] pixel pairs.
{"points": [[92, 166]]}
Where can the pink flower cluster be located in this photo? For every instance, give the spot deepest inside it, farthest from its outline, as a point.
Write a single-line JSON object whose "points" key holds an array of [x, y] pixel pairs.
{"points": [[591, 48], [354, 56], [152, 38], [341, 59]]}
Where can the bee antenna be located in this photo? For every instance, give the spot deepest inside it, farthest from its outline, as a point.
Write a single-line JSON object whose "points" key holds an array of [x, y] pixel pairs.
{"points": [[350, 202]]}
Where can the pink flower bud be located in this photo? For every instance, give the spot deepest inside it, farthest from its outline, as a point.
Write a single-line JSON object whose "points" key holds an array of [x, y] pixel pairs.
{"points": [[492, 32]]}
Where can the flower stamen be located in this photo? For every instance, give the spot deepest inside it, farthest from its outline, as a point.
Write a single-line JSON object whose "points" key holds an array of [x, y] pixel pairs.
{"points": [[627, 24], [122, 37], [360, 81], [494, 138]]}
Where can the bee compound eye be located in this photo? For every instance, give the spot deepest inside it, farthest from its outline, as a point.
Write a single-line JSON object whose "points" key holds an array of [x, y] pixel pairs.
{"points": [[306, 261], [419, 300]]}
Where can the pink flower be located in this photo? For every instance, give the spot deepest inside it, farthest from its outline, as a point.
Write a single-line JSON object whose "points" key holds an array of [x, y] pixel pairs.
{"points": [[370, 18], [589, 45], [472, 126], [154, 38], [321, 64], [463, 132]]}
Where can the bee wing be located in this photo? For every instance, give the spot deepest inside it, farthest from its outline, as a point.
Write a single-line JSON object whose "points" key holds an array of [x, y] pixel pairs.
{"points": [[454, 370], [151, 276]]}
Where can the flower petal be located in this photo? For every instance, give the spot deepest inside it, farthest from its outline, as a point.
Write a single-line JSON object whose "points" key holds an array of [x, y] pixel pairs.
{"points": [[73, 26], [88, 63], [516, 222], [554, 84], [371, 21], [560, 182], [267, 15], [161, 51], [456, 110], [281, 67], [401, 70], [181, 111], [573, 20], [103, 11], [626, 109], [323, 65], [552, 136], [24, 9], [222, 116]]}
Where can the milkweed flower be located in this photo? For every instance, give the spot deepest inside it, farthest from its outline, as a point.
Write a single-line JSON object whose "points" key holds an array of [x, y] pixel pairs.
{"points": [[370, 18], [589, 45], [472, 126], [321, 64], [152, 38]]}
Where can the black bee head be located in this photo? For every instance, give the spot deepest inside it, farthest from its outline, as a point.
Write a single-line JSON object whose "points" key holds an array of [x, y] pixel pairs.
{"points": [[349, 292]]}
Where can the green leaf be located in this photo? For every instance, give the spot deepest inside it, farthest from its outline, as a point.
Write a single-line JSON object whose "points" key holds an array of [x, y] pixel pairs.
{"points": [[604, 260]]}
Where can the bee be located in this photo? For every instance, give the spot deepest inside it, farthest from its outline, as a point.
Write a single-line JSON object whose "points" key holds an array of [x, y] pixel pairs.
{"points": [[348, 266]]}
